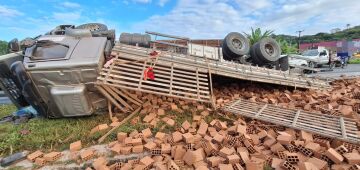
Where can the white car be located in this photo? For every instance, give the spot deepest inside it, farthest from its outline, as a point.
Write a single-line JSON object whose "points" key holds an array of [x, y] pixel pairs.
{"points": [[295, 61]]}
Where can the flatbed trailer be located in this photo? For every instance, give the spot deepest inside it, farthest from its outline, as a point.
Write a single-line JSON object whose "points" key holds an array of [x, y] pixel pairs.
{"points": [[225, 68]]}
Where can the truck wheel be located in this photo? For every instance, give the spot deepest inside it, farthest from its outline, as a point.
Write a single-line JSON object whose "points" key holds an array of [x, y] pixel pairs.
{"points": [[255, 59], [284, 63], [93, 27], [236, 44], [268, 50]]}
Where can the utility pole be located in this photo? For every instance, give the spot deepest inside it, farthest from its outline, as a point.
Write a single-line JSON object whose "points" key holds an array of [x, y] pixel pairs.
{"points": [[299, 38]]}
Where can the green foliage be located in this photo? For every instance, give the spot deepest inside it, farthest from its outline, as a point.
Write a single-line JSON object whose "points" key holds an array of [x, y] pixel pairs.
{"points": [[256, 35], [3, 47], [287, 47], [354, 61], [47, 134], [347, 34]]}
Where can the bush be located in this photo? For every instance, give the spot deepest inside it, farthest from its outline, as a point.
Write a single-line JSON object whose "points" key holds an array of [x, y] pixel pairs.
{"points": [[3, 47], [354, 61]]}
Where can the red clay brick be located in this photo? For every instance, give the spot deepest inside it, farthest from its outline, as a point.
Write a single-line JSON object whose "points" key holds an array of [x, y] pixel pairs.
{"points": [[334, 156], [138, 149], [52, 156], [37, 154], [146, 133], [76, 146]]}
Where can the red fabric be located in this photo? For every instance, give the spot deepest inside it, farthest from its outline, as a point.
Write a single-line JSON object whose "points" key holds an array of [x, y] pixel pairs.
{"points": [[149, 73], [154, 53]]}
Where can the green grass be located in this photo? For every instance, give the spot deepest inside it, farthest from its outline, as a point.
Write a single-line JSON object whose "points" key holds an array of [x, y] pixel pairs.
{"points": [[354, 61], [46, 134], [57, 134]]}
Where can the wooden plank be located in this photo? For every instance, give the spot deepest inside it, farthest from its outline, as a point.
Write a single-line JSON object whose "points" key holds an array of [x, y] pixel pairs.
{"points": [[112, 100], [329, 126], [117, 126], [117, 97], [296, 118], [155, 83], [171, 77], [261, 110], [125, 96], [343, 130]]}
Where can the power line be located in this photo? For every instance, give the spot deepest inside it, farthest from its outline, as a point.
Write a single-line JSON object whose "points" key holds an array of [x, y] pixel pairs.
{"points": [[300, 31]]}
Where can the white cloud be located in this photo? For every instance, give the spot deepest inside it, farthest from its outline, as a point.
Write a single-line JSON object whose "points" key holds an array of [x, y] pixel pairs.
{"points": [[216, 18], [142, 1], [68, 4], [8, 12], [162, 2], [66, 17]]}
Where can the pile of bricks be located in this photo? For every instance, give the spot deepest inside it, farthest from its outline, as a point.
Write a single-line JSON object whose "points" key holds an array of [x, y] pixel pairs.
{"points": [[230, 145], [40, 159], [201, 143], [343, 99]]}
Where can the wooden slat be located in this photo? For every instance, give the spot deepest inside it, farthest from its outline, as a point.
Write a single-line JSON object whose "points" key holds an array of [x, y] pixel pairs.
{"points": [[229, 69], [170, 79], [326, 125]]}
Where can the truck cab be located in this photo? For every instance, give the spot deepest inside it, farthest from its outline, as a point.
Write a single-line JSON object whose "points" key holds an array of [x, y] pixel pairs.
{"points": [[317, 57]]}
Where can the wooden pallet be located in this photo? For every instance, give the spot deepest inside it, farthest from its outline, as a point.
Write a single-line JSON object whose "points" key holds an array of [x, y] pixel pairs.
{"points": [[227, 69], [171, 79], [341, 128]]}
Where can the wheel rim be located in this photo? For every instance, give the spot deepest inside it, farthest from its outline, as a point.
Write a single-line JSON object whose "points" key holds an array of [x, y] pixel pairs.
{"points": [[93, 27], [269, 49], [237, 44]]}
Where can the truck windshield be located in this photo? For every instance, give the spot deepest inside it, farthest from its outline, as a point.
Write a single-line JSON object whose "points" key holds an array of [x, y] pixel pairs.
{"points": [[311, 53], [48, 50]]}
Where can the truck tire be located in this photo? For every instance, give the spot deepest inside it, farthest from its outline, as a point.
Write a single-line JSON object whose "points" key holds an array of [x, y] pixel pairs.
{"points": [[226, 55], [254, 58], [109, 34], [93, 27], [267, 50], [236, 45], [284, 63], [142, 40]]}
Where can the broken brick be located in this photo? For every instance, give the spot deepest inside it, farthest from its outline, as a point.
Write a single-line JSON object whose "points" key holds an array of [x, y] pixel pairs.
{"points": [[160, 136], [352, 158], [147, 161], [233, 159], [161, 112], [188, 137], [121, 136], [76, 146], [87, 154], [170, 122], [40, 161], [177, 136], [334, 156], [146, 133]]}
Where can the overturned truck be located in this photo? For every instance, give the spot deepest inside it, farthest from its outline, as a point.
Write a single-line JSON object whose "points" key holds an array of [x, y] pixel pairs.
{"points": [[62, 73]]}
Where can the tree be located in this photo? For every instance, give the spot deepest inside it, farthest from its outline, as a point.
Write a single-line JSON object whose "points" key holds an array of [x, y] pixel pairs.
{"points": [[3, 47], [256, 35], [286, 47]]}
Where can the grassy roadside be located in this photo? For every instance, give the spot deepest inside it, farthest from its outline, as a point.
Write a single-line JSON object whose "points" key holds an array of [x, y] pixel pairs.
{"points": [[45, 134], [354, 61], [57, 134]]}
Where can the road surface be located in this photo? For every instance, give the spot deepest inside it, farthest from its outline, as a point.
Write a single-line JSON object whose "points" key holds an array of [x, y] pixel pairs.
{"points": [[350, 71]]}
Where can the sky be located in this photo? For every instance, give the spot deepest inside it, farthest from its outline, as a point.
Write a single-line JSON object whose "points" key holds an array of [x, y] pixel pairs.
{"points": [[197, 19]]}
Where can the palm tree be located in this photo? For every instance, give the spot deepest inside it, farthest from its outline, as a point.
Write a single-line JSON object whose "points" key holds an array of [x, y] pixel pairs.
{"points": [[256, 35]]}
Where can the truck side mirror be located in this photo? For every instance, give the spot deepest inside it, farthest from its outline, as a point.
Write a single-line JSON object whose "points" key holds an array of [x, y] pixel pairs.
{"points": [[13, 45]]}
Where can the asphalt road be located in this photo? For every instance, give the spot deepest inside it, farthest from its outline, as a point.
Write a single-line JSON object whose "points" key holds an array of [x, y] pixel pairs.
{"points": [[350, 71]]}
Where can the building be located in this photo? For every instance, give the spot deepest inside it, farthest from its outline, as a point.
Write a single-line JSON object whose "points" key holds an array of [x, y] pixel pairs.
{"points": [[341, 47]]}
